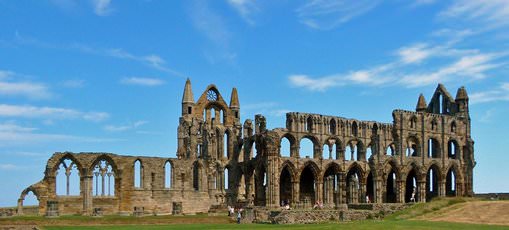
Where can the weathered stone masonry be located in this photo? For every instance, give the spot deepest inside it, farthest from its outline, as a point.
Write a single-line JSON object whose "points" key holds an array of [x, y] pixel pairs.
{"points": [[221, 161]]}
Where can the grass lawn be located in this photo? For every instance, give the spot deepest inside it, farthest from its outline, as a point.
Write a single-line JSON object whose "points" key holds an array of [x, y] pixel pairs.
{"points": [[371, 225]]}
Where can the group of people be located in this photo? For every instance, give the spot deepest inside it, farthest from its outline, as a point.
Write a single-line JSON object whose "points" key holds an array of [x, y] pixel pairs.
{"points": [[285, 205], [231, 213]]}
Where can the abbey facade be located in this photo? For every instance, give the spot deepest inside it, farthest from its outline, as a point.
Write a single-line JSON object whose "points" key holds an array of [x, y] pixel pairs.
{"points": [[222, 161]]}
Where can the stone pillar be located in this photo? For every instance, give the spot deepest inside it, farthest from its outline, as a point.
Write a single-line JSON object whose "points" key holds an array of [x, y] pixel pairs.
{"points": [[442, 190], [86, 190], [319, 191], [295, 193], [378, 191], [400, 190], [421, 188], [362, 192], [20, 207], [67, 175], [342, 188]]}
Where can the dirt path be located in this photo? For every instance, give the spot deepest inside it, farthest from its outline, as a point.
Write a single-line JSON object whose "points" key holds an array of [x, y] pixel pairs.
{"points": [[478, 212]]}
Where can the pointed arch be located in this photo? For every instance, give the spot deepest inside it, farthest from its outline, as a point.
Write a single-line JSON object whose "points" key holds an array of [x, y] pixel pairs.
{"points": [[308, 146], [168, 174], [67, 178], [433, 180], [308, 182], [104, 174], [287, 145], [137, 173]]}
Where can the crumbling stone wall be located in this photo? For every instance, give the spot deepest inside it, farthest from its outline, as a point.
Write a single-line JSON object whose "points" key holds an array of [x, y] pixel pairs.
{"points": [[220, 161]]}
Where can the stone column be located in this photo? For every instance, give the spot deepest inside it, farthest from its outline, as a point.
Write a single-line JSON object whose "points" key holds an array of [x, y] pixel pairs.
{"points": [[342, 188], [400, 190], [379, 191], [362, 192], [442, 189], [86, 190], [295, 193], [421, 188], [20, 207], [319, 191]]}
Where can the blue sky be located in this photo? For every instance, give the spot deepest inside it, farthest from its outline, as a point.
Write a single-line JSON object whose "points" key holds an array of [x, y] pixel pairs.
{"points": [[107, 75]]}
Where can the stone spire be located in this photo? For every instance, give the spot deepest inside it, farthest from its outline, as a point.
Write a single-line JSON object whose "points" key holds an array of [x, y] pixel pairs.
{"points": [[461, 94], [421, 104], [188, 93], [234, 99]]}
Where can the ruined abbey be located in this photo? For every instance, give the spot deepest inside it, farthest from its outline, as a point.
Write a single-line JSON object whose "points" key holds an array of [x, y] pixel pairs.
{"points": [[222, 161]]}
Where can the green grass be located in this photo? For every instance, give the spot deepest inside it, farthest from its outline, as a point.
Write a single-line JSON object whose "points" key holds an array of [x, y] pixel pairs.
{"points": [[420, 209], [368, 225]]}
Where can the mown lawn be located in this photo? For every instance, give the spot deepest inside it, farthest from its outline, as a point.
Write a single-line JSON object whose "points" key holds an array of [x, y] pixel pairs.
{"points": [[371, 225]]}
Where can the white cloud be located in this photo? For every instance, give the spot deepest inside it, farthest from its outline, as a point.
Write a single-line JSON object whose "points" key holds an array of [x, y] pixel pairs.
{"points": [[27, 111], [490, 13], [8, 167], [329, 14], [470, 67], [121, 128], [12, 135], [102, 7], [269, 108], [142, 81], [499, 94], [415, 53], [245, 8], [26, 89]]}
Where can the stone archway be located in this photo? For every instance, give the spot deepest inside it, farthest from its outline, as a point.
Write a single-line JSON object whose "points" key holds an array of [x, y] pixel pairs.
{"points": [[285, 186], [307, 186], [411, 187]]}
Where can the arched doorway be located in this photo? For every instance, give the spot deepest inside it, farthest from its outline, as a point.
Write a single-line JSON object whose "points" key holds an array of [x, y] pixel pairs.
{"points": [[307, 186], [450, 182], [390, 187], [411, 187], [370, 189], [28, 203], [330, 185], [260, 186], [432, 182], [285, 186], [353, 188]]}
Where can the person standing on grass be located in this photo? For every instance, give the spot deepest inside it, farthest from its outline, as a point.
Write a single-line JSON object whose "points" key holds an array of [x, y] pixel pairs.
{"points": [[238, 217]]}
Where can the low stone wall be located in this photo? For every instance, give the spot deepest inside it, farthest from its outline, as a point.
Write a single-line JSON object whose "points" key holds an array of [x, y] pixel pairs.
{"points": [[344, 213]]}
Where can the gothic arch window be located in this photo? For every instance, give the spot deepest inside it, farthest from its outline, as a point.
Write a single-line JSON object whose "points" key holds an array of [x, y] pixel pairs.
{"points": [[433, 124], [138, 174], [196, 176], [309, 124], [374, 130], [285, 150], [452, 149], [332, 127], [212, 95], [453, 127], [168, 175], [67, 178], [226, 179], [433, 148], [306, 147], [354, 129], [226, 143], [413, 122], [103, 179]]}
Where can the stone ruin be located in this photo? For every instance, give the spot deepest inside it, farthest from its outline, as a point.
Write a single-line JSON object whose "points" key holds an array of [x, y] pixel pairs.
{"points": [[220, 161]]}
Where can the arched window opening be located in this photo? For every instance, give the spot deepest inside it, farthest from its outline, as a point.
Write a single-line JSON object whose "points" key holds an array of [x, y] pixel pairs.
{"points": [[432, 184], [433, 124], [198, 151], [332, 127], [453, 127], [30, 204], [285, 187], [440, 104], [284, 151], [374, 130], [353, 186], [389, 151], [138, 174], [370, 189], [433, 148], [450, 184], [306, 148], [390, 188], [329, 185], [326, 151], [307, 185], [368, 153], [452, 149], [226, 179], [212, 114], [222, 115], [103, 179], [349, 153], [309, 124], [67, 179], [196, 176], [411, 188], [254, 152], [260, 186], [167, 175], [354, 129], [413, 122], [226, 143]]}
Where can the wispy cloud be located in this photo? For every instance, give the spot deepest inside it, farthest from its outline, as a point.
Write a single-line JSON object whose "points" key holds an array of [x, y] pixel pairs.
{"points": [[152, 60], [499, 94], [102, 7], [9, 167], [213, 26], [121, 128], [32, 90], [142, 81], [329, 14], [490, 13], [245, 9], [27, 111], [12, 134], [409, 68]]}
